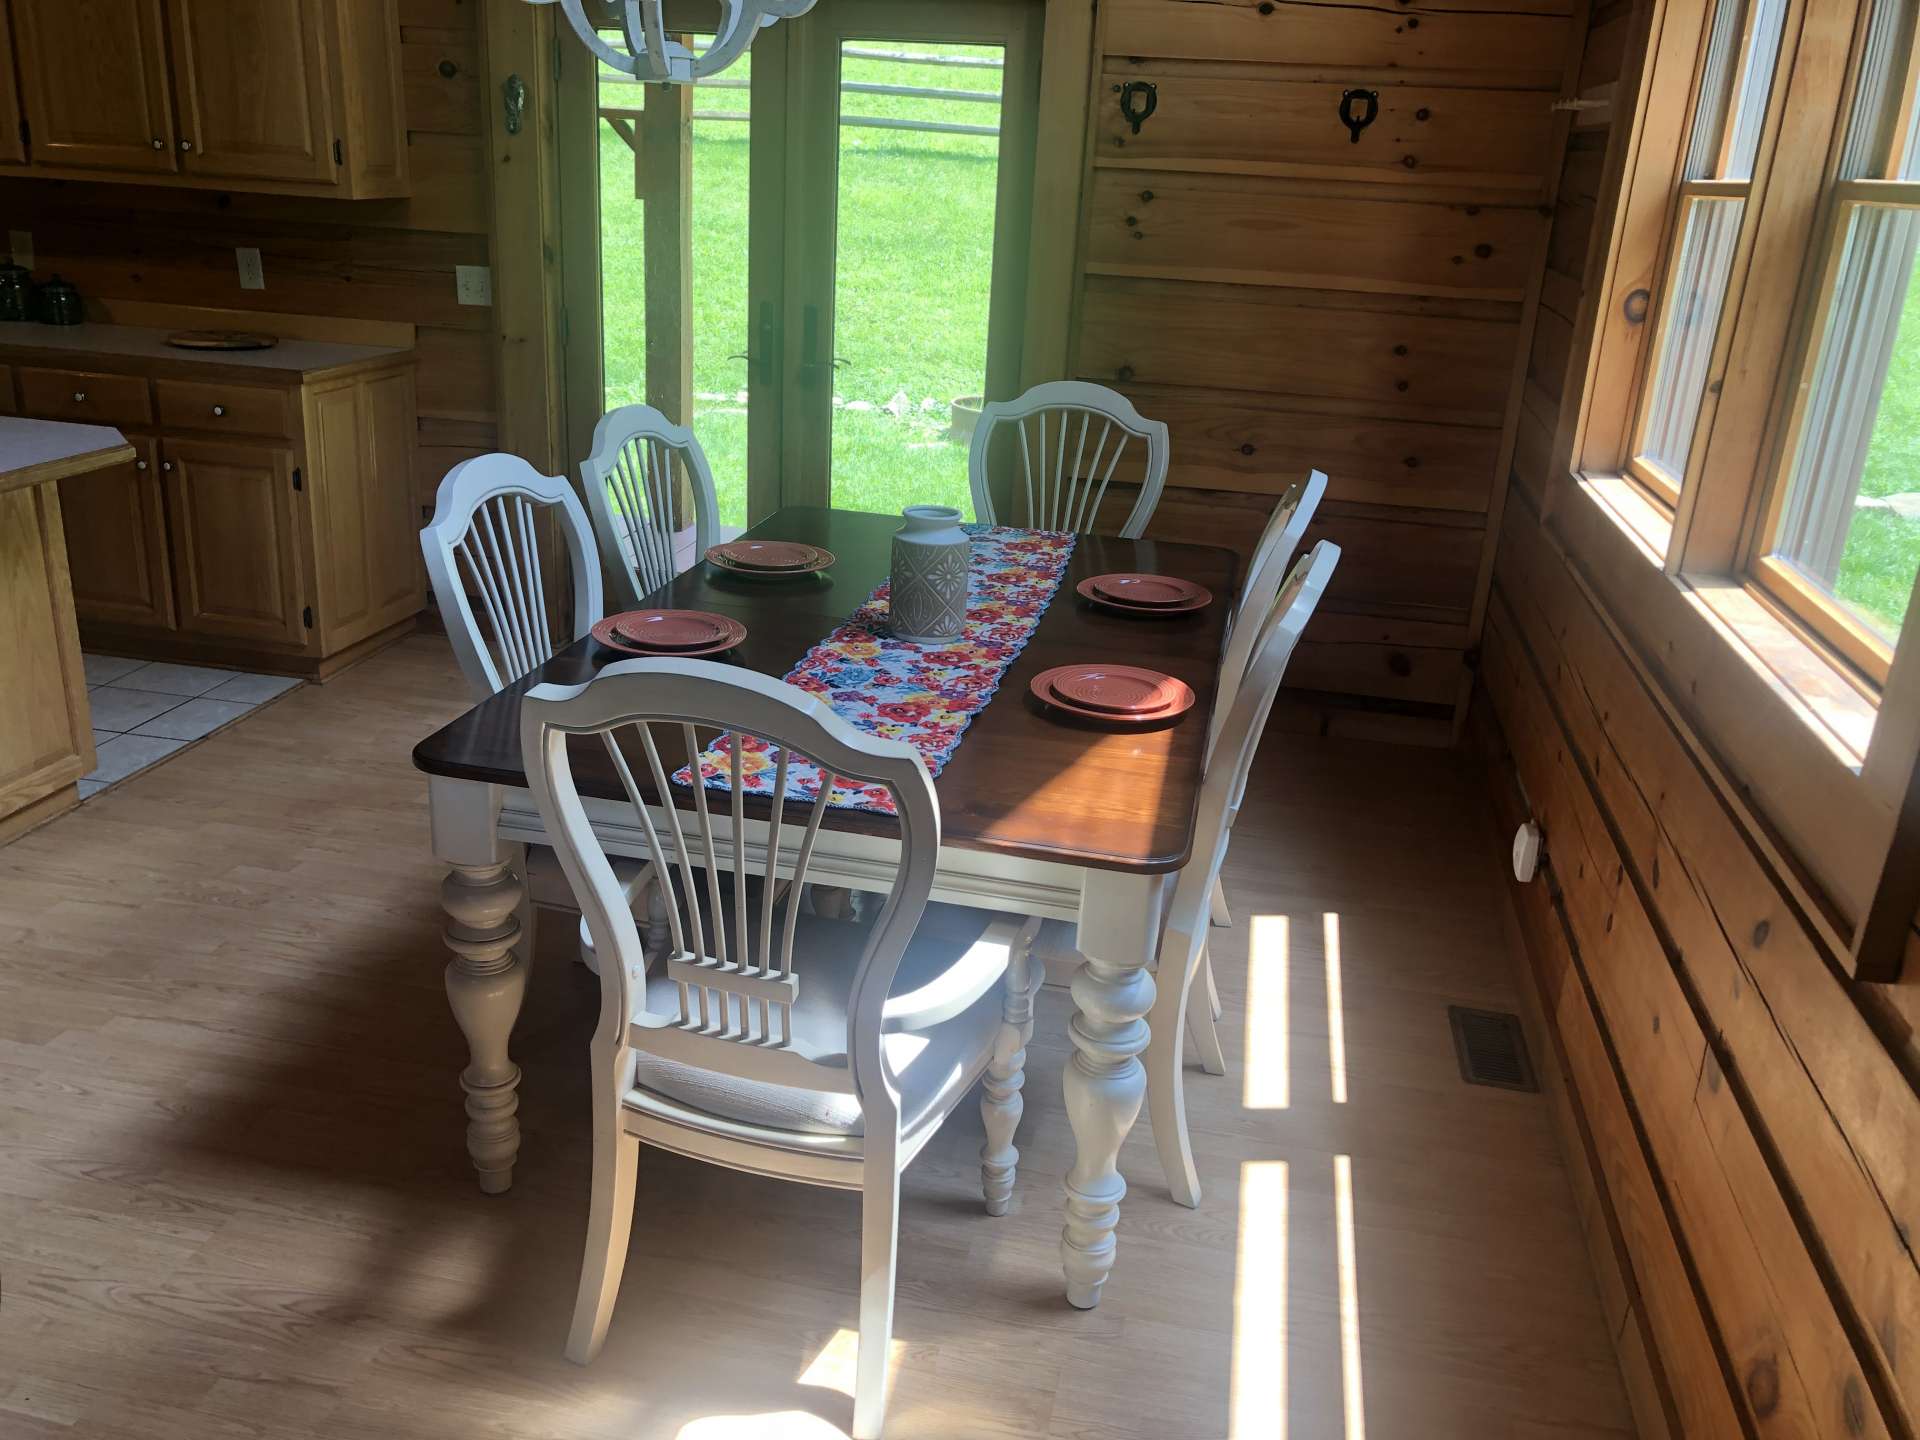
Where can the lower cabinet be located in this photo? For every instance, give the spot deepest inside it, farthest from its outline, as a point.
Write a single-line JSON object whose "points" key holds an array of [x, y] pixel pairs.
{"points": [[231, 512], [268, 525], [117, 541]]}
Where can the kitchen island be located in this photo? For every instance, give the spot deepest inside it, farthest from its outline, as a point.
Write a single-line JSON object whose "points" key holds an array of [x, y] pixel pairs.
{"points": [[46, 735]]}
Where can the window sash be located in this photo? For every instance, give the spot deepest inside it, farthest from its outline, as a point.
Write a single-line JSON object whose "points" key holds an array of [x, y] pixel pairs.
{"points": [[1871, 251]]}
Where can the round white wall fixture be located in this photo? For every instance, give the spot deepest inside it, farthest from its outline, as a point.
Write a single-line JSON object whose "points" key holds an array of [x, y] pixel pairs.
{"points": [[1526, 852]]}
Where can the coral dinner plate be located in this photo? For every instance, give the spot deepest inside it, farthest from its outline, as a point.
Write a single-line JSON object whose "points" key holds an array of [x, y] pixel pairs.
{"points": [[671, 629], [607, 632], [1089, 590], [1119, 694], [1153, 590], [765, 554]]}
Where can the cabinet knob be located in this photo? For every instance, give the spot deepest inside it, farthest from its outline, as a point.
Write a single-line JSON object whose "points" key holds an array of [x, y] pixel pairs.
{"points": [[139, 464], [186, 144], [79, 397], [158, 143], [166, 464], [219, 409]]}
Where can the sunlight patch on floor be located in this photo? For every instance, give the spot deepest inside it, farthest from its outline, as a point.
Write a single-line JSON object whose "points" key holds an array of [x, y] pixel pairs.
{"points": [[1336, 1013], [1258, 1398], [833, 1368], [1268, 1046], [1351, 1388], [774, 1425]]}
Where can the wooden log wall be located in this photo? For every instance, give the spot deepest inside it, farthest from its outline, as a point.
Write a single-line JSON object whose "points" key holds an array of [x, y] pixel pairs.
{"points": [[1285, 294], [366, 259], [1740, 1117]]}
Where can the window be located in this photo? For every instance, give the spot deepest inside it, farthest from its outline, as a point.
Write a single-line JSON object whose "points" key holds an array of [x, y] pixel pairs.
{"points": [[1767, 401], [1842, 531], [1736, 81]]}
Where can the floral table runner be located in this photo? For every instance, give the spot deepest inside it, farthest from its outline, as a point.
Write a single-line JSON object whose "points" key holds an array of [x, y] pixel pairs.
{"points": [[925, 694]]}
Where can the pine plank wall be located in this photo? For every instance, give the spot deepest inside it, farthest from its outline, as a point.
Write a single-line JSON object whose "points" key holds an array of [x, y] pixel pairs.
{"points": [[364, 259], [1742, 1118], [1287, 294]]}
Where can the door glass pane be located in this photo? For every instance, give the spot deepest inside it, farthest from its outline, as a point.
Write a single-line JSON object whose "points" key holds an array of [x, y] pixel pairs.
{"points": [[1735, 84], [719, 243], [919, 161], [1850, 521], [1687, 333]]}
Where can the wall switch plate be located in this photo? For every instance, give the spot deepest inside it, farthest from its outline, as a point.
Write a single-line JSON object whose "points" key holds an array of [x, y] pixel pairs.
{"points": [[473, 284], [20, 242], [252, 277]]}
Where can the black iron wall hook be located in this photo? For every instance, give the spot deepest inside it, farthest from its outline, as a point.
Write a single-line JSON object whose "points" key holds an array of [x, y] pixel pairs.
{"points": [[1369, 108], [1135, 90]]}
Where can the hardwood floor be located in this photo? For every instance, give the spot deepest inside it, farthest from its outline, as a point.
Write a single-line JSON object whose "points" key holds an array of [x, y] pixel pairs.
{"points": [[234, 1198]]}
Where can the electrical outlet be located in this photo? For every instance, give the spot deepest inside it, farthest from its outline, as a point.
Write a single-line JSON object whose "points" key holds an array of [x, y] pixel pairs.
{"points": [[20, 242], [252, 277], [473, 284]]}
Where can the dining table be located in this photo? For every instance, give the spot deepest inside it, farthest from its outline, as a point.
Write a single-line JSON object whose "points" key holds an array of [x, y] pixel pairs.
{"points": [[1040, 816]]}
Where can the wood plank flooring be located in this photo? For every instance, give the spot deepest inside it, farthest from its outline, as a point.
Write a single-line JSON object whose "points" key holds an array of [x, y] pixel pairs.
{"points": [[234, 1200]]}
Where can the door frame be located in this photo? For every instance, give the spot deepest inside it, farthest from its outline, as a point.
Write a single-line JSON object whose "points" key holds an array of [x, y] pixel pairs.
{"points": [[563, 124]]}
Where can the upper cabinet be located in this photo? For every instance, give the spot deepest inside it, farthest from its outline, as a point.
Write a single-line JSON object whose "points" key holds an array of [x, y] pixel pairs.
{"points": [[13, 142], [93, 83], [286, 96]]}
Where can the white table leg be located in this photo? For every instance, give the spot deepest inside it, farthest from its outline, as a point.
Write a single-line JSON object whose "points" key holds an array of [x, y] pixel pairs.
{"points": [[1104, 1080], [487, 977]]}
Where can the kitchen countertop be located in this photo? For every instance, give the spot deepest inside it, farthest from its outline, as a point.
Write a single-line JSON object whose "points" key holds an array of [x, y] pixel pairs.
{"points": [[139, 342], [33, 452]]}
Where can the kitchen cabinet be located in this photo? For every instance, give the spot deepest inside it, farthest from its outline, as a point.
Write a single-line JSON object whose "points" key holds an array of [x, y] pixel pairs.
{"points": [[94, 85], [13, 143], [117, 541], [266, 519], [282, 96], [230, 509]]}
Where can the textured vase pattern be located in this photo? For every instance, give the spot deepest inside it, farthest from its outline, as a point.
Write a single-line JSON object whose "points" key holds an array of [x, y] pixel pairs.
{"points": [[929, 597]]}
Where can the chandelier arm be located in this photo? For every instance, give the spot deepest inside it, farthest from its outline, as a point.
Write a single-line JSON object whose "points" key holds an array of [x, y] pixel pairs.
{"points": [[646, 29]]}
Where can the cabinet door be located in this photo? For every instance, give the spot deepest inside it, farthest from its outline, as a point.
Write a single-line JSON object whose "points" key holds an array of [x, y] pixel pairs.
{"points": [[117, 542], [93, 77], [367, 556], [13, 147], [230, 514], [253, 88]]}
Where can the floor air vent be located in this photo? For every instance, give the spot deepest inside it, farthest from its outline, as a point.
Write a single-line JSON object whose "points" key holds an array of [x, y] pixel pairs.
{"points": [[1491, 1048]]}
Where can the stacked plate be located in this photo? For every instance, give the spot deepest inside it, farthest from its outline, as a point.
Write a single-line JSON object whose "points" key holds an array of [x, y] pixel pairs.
{"points": [[669, 632], [768, 559], [1130, 593], [1114, 694]]}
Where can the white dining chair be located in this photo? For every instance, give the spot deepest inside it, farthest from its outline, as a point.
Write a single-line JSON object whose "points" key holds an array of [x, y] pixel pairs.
{"points": [[826, 1052], [1183, 938], [483, 545], [632, 495], [1272, 558], [1072, 435]]}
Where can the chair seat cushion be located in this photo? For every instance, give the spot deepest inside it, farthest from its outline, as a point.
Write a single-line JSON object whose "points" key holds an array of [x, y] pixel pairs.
{"points": [[932, 1064]]}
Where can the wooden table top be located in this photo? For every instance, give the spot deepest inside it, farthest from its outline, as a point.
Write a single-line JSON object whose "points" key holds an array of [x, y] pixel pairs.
{"points": [[1021, 783]]}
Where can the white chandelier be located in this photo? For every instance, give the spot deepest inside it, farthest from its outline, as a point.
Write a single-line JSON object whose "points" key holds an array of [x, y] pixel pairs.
{"points": [[651, 56]]}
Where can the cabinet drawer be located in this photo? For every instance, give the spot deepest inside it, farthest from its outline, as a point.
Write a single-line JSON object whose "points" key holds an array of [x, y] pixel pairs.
{"points": [[85, 395], [222, 408]]}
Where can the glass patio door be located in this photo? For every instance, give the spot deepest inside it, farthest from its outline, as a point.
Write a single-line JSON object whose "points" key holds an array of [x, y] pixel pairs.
{"points": [[909, 149]]}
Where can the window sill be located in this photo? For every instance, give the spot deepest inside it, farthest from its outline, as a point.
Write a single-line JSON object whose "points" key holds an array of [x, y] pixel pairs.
{"points": [[1808, 680]]}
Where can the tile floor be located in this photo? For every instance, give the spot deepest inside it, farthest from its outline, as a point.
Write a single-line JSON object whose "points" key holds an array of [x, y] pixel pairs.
{"points": [[145, 710]]}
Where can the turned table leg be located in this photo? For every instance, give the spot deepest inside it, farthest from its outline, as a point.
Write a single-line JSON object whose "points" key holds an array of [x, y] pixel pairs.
{"points": [[486, 980], [487, 977], [1104, 1080]]}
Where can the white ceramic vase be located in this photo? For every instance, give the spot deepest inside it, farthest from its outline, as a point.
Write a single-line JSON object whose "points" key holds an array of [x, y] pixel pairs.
{"points": [[931, 556]]}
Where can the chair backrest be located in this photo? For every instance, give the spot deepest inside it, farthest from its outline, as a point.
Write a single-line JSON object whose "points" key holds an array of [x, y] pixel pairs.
{"points": [[483, 533], [735, 997], [632, 491], [1272, 559], [1062, 478], [1231, 760]]}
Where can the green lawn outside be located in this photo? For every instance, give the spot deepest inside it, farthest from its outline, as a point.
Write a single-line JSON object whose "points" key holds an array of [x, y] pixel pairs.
{"points": [[1883, 551], [914, 266]]}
